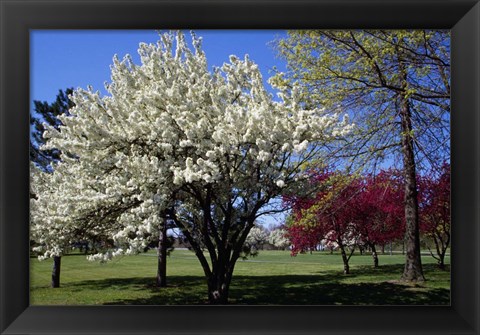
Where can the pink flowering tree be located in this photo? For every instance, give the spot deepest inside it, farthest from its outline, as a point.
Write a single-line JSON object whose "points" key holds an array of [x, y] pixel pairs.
{"points": [[326, 216], [435, 224], [378, 210]]}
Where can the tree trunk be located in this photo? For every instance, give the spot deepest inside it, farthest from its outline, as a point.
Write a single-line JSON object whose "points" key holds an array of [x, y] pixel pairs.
{"points": [[346, 267], [162, 253], [441, 248], [218, 289], [56, 271], [413, 264], [441, 260], [374, 256], [221, 276], [441, 263]]}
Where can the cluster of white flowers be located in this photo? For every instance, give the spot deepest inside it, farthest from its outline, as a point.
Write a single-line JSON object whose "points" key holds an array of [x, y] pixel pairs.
{"points": [[168, 123], [257, 236], [278, 238], [349, 238]]}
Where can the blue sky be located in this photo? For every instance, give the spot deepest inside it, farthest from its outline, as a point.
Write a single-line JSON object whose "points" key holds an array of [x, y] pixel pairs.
{"points": [[78, 58]]}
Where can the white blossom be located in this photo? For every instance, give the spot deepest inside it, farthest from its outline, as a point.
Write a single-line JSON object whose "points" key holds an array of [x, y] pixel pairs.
{"points": [[278, 238], [257, 237]]}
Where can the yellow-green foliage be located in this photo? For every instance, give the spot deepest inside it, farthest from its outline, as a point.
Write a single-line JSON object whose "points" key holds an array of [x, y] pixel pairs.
{"points": [[329, 190], [364, 73]]}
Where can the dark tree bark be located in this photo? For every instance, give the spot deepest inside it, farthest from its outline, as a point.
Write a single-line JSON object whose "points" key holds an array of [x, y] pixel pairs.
{"points": [[374, 256], [413, 265], [441, 248], [162, 253], [346, 267], [56, 271], [218, 231], [219, 284], [222, 269], [222, 260], [441, 263]]}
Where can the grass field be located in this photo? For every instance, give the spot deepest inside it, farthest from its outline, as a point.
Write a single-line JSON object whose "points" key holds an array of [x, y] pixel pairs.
{"points": [[273, 277]]}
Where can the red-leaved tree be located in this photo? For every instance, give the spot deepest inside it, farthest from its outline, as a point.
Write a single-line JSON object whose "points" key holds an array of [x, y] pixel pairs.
{"points": [[434, 200], [304, 238], [348, 211], [326, 216], [379, 214]]}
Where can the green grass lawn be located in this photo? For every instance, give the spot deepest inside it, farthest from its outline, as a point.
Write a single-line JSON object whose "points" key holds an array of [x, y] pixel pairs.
{"points": [[273, 277]]}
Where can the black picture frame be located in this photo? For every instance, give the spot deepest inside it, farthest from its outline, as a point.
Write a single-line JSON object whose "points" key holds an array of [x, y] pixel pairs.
{"points": [[17, 17]]}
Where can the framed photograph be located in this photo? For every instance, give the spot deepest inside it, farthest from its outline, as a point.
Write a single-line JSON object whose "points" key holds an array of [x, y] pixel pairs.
{"points": [[20, 314]]}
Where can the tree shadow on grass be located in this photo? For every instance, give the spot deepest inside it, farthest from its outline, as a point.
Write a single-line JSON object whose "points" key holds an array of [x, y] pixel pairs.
{"points": [[313, 290], [326, 288], [181, 290], [364, 286], [393, 271]]}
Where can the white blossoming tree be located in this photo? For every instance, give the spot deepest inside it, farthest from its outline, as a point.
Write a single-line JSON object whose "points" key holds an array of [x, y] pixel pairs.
{"points": [[256, 238], [278, 238], [206, 150], [69, 206]]}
